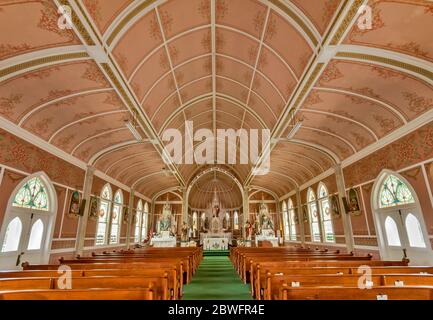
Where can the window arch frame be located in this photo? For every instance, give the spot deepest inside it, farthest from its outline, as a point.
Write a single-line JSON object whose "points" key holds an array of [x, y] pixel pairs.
{"points": [[379, 212], [48, 219]]}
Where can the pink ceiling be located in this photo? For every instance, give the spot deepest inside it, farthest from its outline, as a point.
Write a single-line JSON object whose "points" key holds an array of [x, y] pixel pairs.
{"points": [[165, 54]]}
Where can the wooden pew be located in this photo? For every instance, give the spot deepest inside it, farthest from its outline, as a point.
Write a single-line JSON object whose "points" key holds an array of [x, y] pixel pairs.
{"points": [[354, 293], [273, 283], [90, 294]]}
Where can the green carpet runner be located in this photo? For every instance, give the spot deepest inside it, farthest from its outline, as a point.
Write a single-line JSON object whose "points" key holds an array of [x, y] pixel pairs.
{"points": [[214, 253], [216, 279]]}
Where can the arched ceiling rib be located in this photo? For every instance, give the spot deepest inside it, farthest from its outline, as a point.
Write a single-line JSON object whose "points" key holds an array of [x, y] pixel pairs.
{"points": [[225, 64]]}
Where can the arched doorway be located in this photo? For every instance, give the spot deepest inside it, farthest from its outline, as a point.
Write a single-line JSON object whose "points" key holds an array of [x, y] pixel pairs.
{"points": [[27, 228], [399, 220]]}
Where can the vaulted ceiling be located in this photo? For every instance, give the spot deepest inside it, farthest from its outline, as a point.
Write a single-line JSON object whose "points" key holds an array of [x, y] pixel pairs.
{"points": [[222, 64]]}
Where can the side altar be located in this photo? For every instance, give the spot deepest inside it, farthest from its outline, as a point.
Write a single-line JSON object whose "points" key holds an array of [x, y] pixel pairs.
{"points": [[166, 230], [265, 226]]}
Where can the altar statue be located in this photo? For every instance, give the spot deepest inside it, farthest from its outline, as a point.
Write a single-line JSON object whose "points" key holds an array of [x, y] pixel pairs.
{"points": [[215, 225], [248, 230], [266, 222], [165, 220], [185, 231]]}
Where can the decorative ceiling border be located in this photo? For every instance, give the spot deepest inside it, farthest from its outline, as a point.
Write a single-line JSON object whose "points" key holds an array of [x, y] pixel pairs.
{"points": [[388, 61], [41, 61], [348, 20]]}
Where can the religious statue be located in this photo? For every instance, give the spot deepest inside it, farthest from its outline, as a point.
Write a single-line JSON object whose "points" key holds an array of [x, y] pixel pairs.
{"points": [[185, 230], [225, 224], [215, 224], [165, 221], [248, 230], [206, 224], [266, 222]]}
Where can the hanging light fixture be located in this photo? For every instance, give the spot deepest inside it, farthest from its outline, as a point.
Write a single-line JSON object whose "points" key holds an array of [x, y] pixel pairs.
{"points": [[132, 125], [295, 123]]}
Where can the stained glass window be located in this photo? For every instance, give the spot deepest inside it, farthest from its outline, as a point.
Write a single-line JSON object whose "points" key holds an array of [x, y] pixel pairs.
{"points": [[314, 217], [32, 195], [36, 234], [325, 214], [12, 236], [392, 234], [414, 232], [292, 219], [322, 191], [145, 222], [395, 192], [138, 216], [286, 220], [104, 209], [116, 217]]}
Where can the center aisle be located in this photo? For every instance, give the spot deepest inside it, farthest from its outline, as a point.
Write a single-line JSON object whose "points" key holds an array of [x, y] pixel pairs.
{"points": [[216, 279]]}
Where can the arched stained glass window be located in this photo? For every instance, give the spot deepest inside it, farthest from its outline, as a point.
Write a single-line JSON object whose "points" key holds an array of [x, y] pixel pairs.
{"points": [[314, 216], [236, 221], [286, 220], [36, 234], [311, 196], [395, 192], [32, 195], [103, 214], [325, 214], [392, 234], [138, 217], [116, 217], [292, 219], [414, 232], [145, 222], [323, 192], [12, 236]]}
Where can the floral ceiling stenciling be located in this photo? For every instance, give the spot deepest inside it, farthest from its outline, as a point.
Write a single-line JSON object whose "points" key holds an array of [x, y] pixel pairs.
{"points": [[40, 17], [396, 26]]}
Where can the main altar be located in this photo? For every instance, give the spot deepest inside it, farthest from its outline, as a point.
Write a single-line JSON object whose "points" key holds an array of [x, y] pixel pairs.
{"points": [[215, 233]]}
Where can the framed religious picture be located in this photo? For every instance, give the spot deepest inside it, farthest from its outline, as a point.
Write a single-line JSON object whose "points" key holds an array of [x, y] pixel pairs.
{"points": [[305, 212], [93, 209], [353, 202], [125, 215], [74, 204], [335, 207]]}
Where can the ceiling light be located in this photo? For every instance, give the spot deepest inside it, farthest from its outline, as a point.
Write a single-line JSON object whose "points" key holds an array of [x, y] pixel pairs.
{"points": [[130, 125], [295, 125]]}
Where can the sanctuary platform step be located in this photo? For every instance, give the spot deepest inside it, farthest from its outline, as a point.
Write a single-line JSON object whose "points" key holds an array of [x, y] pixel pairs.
{"points": [[216, 253]]}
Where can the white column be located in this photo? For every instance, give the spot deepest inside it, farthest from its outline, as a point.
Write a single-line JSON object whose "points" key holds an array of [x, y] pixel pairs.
{"points": [[130, 218], [185, 206], [82, 221], [300, 215], [347, 223]]}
